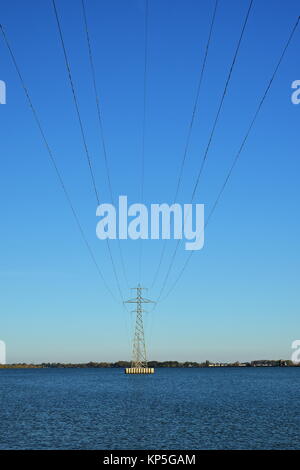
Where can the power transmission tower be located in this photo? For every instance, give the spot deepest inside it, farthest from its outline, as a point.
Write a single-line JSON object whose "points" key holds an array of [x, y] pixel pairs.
{"points": [[139, 357]]}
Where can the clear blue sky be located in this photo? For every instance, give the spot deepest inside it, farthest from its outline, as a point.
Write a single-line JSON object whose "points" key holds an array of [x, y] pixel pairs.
{"points": [[239, 297]]}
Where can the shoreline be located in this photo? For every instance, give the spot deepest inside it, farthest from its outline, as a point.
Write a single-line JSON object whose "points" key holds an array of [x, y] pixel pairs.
{"points": [[154, 364]]}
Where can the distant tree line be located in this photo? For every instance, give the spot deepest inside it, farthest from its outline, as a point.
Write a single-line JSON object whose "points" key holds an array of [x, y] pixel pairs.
{"points": [[155, 364]]}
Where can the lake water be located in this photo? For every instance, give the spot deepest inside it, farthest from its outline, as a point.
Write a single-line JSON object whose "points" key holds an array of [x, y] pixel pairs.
{"points": [[236, 408]]}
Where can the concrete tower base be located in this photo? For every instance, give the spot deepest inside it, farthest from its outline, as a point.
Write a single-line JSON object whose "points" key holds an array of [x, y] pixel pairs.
{"points": [[139, 370]]}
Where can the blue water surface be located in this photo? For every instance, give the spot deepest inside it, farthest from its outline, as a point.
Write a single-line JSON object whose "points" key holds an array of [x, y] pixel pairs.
{"points": [[224, 408]]}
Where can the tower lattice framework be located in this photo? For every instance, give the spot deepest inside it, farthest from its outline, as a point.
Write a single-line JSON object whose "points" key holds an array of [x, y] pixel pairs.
{"points": [[139, 356]]}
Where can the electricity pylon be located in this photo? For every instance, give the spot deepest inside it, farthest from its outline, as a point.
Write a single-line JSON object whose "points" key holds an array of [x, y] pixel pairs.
{"points": [[139, 357]]}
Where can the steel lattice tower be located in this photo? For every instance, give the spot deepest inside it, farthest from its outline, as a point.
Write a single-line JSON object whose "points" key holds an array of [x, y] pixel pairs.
{"points": [[139, 357]]}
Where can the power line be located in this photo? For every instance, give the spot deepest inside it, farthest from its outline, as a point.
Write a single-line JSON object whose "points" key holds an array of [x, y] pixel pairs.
{"points": [[222, 100], [144, 121], [53, 161], [189, 134], [210, 137], [197, 99], [144, 101], [84, 138], [235, 160], [76, 102], [100, 122]]}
